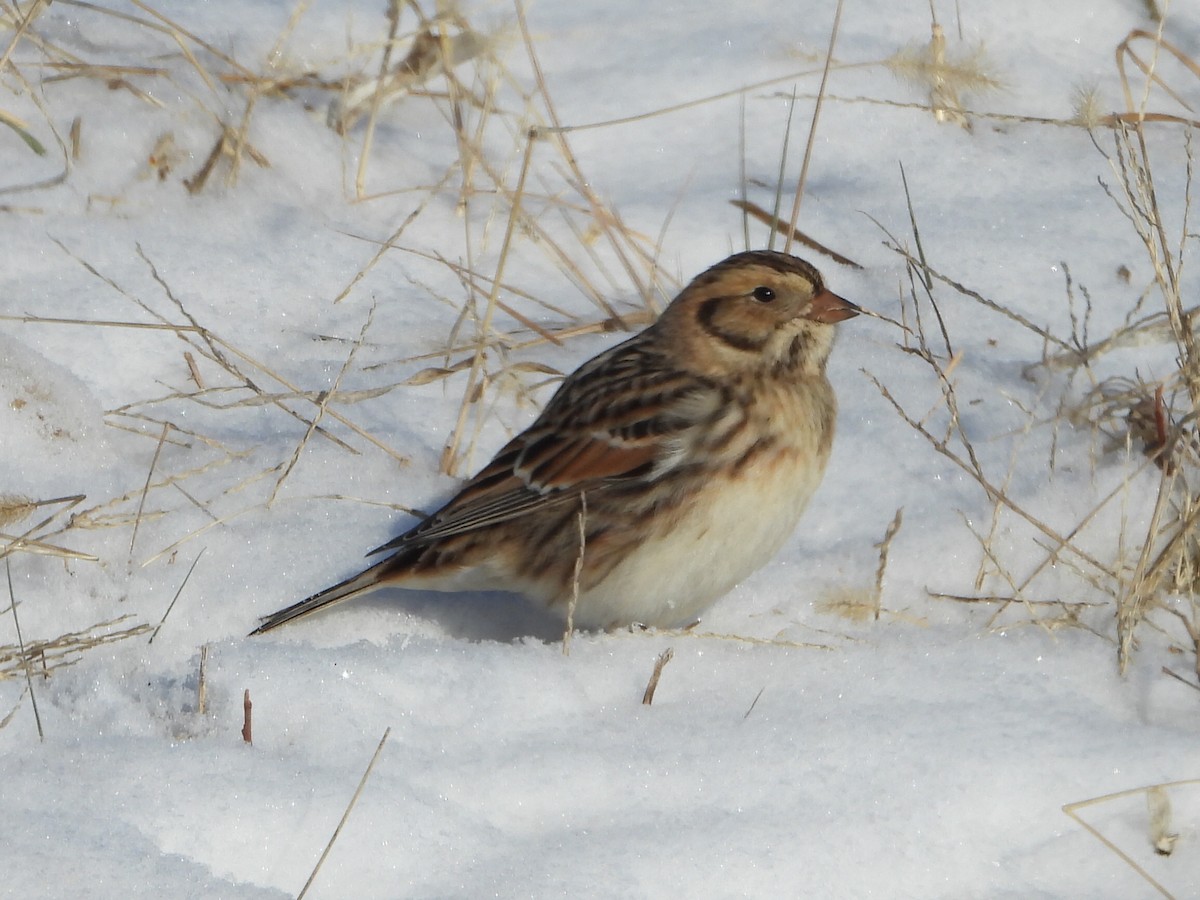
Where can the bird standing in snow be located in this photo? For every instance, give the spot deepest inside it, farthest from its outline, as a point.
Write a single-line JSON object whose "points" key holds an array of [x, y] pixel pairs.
{"points": [[685, 455]]}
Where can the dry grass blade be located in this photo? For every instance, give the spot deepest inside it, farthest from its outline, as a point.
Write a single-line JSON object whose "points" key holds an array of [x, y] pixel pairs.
{"points": [[102, 323], [26, 19], [610, 224], [23, 132], [792, 233], [64, 650], [44, 548], [652, 685], [1000, 598], [1125, 51], [971, 466], [688, 633], [1180, 678], [883, 547], [322, 404], [1072, 810], [240, 143], [474, 379], [202, 682], [360, 177], [346, 815], [922, 268], [171, 605], [202, 530], [1084, 117], [573, 603], [739, 92], [11, 714], [205, 342], [999, 308], [781, 177], [429, 56], [753, 703], [12, 600], [137, 521], [26, 542], [392, 239], [177, 31], [952, 441], [812, 128]]}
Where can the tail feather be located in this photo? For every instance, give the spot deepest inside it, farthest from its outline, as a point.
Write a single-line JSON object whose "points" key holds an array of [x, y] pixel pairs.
{"points": [[362, 583]]}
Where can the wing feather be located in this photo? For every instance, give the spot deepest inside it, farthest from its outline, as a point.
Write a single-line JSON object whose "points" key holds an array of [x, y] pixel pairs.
{"points": [[621, 416]]}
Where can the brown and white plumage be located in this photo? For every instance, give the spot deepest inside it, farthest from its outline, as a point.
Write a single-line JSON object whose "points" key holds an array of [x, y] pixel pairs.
{"points": [[692, 449]]}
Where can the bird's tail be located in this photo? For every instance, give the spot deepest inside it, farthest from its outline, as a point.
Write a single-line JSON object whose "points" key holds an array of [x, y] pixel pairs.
{"points": [[362, 583]]}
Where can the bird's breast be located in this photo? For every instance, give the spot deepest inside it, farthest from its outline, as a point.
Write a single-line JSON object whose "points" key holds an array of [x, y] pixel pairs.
{"points": [[737, 513]]}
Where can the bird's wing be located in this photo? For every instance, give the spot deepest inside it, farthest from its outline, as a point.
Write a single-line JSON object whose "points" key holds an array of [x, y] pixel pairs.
{"points": [[623, 415]]}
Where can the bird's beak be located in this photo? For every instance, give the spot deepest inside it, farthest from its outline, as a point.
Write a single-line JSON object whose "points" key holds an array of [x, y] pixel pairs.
{"points": [[829, 308]]}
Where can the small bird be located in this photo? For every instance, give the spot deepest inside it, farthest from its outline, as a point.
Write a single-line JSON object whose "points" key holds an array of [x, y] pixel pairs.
{"points": [[660, 474]]}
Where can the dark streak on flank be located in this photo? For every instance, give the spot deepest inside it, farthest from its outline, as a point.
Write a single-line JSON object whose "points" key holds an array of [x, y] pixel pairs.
{"points": [[706, 315]]}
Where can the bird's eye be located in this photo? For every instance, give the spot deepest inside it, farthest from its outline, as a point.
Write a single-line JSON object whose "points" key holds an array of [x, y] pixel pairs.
{"points": [[763, 294]]}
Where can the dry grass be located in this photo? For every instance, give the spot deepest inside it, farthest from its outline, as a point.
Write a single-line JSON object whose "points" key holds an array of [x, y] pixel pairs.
{"points": [[519, 190], [515, 169], [43, 657], [1158, 829], [652, 685], [362, 783], [1151, 574], [515, 185]]}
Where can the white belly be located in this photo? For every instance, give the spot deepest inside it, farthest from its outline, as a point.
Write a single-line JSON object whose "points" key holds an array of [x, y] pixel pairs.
{"points": [[728, 534]]}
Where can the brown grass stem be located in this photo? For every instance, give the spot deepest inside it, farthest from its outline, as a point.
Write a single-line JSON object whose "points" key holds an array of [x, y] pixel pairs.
{"points": [[12, 600], [345, 815], [812, 128]]}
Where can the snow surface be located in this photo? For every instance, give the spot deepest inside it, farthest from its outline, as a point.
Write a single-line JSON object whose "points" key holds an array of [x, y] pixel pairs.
{"points": [[926, 754]]}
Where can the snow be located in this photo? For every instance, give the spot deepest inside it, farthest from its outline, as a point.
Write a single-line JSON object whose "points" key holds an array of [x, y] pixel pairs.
{"points": [[790, 750]]}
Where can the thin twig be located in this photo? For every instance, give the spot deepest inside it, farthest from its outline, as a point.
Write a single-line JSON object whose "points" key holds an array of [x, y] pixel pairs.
{"points": [[247, 730]]}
